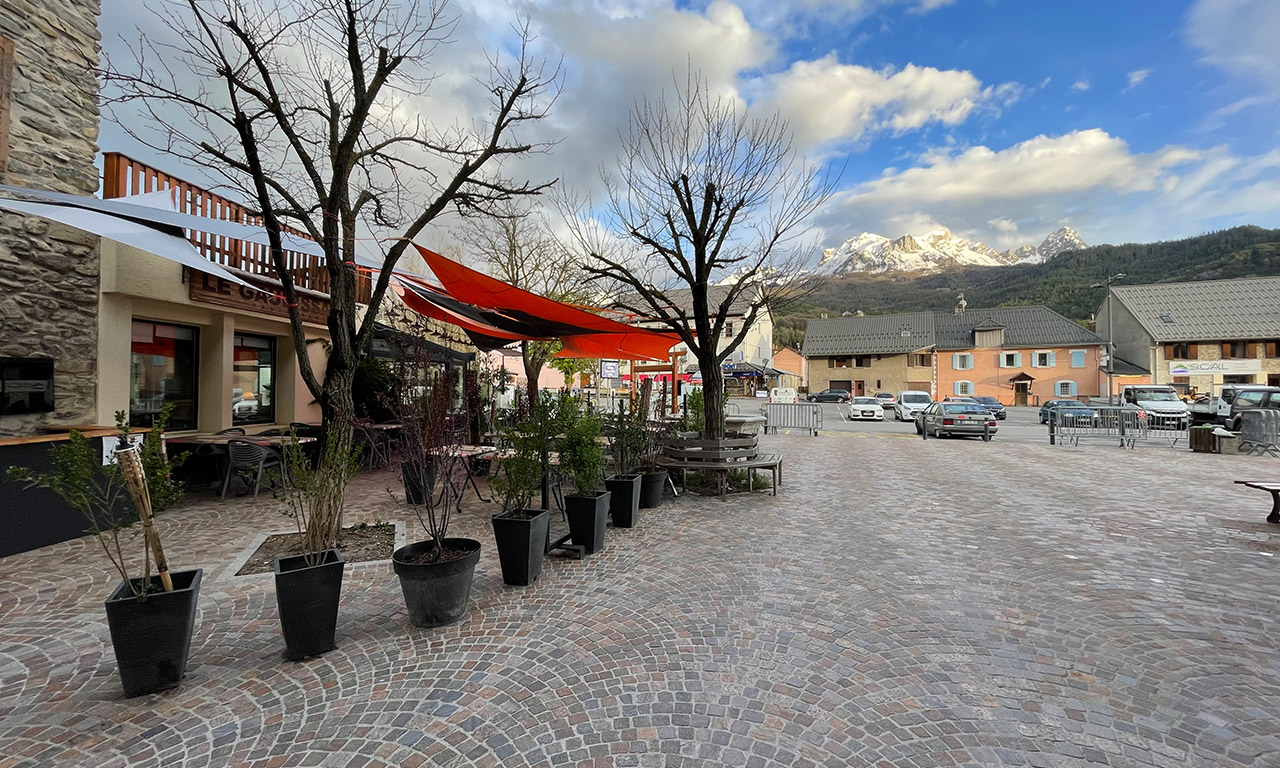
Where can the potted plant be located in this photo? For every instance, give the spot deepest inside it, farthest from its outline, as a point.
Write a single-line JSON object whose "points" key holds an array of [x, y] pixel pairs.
{"points": [[150, 617], [626, 440], [435, 574], [519, 530], [309, 584], [582, 459]]}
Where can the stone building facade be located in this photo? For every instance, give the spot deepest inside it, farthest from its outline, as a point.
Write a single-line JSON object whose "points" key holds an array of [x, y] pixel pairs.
{"points": [[49, 272]]}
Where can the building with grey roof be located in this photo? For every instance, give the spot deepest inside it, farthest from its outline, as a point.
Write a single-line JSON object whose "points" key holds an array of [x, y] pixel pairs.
{"points": [[1017, 354], [1197, 334]]}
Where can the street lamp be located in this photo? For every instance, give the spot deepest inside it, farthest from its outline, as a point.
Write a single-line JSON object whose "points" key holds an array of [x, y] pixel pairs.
{"points": [[1111, 332]]}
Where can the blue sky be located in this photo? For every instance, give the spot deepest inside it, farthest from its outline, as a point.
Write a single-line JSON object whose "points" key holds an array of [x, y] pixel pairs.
{"points": [[998, 119]]}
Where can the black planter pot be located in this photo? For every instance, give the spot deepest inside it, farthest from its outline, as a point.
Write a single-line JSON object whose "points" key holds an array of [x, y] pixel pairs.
{"points": [[651, 485], [588, 516], [307, 596], [414, 491], [522, 544], [152, 636], [624, 505], [436, 593]]}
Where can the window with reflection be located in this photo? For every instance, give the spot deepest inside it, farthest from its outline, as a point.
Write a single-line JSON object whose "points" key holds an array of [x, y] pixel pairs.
{"points": [[163, 370], [253, 379]]}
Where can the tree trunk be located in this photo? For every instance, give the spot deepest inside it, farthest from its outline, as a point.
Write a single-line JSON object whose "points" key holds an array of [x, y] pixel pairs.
{"points": [[533, 361], [337, 407], [712, 397]]}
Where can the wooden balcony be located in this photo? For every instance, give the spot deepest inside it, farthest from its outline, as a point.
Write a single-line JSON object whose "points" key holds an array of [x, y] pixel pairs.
{"points": [[123, 176]]}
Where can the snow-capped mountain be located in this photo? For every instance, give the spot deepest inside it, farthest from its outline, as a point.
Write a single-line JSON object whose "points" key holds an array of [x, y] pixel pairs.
{"points": [[935, 251]]}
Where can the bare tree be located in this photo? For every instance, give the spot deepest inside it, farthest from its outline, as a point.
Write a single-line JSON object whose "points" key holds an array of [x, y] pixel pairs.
{"points": [[705, 192], [519, 248], [311, 108]]}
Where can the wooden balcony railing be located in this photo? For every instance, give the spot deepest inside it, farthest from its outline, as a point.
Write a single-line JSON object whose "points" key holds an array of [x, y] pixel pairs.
{"points": [[123, 176]]}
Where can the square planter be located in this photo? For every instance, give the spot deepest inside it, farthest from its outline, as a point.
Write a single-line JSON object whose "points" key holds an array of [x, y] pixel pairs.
{"points": [[588, 516], [307, 596], [151, 635], [624, 503], [521, 536]]}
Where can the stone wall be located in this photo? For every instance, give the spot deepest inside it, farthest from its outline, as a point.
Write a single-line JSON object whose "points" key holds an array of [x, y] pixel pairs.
{"points": [[49, 272]]}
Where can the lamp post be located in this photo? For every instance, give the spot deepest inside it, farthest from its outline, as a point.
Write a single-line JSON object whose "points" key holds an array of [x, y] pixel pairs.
{"points": [[1111, 332]]}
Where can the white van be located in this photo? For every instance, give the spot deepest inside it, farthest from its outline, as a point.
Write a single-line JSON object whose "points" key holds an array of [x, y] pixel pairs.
{"points": [[783, 395], [910, 402]]}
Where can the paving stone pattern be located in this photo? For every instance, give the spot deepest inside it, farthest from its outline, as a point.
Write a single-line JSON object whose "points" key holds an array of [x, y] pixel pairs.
{"points": [[962, 604]]}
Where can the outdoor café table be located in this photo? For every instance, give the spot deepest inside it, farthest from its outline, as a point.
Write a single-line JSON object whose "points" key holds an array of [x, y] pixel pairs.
{"points": [[462, 456], [214, 447]]}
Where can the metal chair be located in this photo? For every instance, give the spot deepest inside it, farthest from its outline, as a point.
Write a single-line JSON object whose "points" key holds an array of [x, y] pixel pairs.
{"points": [[246, 457]]}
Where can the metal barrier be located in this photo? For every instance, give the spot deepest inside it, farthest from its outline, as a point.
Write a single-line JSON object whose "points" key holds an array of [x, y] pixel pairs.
{"points": [[807, 416], [1122, 423], [1260, 432]]}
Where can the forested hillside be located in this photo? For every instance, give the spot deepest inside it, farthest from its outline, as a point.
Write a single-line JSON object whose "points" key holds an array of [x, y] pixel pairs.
{"points": [[1061, 283]]}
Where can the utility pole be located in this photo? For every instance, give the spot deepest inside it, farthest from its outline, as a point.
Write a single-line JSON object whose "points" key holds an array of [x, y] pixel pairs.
{"points": [[1111, 333]]}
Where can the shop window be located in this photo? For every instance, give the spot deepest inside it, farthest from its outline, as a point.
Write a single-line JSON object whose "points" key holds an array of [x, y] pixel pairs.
{"points": [[253, 380], [163, 370]]}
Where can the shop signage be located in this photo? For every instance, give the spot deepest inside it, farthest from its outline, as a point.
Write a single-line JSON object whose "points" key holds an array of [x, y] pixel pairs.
{"points": [[209, 289], [1214, 367], [609, 369]]}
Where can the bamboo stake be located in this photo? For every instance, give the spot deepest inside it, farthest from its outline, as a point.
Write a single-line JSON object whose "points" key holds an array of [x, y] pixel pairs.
{"points": [[130, 461]]}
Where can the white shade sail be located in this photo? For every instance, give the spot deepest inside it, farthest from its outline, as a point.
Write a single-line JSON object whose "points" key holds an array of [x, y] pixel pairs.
{"points": [[135, 209], [174, 247]]}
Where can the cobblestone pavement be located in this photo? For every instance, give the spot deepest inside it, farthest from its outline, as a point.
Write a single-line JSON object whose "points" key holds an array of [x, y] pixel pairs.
{"points": [[973, 604]]}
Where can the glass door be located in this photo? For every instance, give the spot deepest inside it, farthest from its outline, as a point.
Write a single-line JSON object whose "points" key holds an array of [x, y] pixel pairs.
{"points": [[253, 380]]}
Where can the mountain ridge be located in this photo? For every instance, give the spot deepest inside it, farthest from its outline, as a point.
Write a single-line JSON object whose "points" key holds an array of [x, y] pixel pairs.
{"points": [[934, 251]]}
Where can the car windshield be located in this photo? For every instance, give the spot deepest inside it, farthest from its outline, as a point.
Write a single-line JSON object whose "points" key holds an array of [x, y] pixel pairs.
{"points": [[1154, 395], [987, 399], [915, 398], [1069, 404], [865, 401], [963, 408], [883, 394]]}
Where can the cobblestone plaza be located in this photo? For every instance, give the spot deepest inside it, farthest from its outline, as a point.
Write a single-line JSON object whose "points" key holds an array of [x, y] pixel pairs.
{"points": [[960, 603]]}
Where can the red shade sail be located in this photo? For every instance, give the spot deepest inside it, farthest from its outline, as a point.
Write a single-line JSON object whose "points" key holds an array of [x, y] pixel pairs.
{"points": [[643, 345], [427, 308]]}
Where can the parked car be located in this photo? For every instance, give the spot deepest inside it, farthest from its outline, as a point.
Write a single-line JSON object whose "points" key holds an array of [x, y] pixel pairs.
{"points": [[960, 399], [1068, 411], [992, 404], [886, 399], [1161, 403], [866, 408], [1231, 401], [831, 396], [911, 402], [945, 419]]}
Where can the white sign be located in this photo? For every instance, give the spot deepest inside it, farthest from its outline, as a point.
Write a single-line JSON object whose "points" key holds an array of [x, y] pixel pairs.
{"points": [[1214, 367], [609, 369]]}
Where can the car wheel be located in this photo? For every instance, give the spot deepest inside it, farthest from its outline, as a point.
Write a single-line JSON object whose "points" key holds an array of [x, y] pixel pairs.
{"points": [[937, 432], [1043, 420]]}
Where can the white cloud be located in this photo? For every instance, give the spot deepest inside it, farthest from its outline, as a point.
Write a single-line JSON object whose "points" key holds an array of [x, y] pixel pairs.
{"points": [[1239, 36], [1080, 85], [827, 101], [1019, 194], [1135, 78]]}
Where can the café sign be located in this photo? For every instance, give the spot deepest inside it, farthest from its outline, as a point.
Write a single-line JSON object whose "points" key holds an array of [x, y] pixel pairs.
{"points": [[209, 289], [1214, 367]]}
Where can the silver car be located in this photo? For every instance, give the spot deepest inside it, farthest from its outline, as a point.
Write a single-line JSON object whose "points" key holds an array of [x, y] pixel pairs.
{"points": [[946, 419]]}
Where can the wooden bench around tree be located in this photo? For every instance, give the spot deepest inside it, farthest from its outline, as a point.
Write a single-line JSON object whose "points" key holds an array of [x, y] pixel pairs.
{"points": [[727, 453], [1273, 489]]}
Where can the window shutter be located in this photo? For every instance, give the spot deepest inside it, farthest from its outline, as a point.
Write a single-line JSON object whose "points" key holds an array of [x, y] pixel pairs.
{"points": [[1192, 352], [1053, 359], [1252, 349], [1169, 352], [955, 362], [1226, 349], [955, 388], [831, 362], [1017, 359]]}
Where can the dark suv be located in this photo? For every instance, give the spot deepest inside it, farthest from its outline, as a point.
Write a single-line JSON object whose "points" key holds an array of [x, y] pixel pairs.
{"points": [[830, 396]]}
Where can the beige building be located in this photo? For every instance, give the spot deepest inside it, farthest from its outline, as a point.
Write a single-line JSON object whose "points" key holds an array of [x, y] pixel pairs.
{"points": [[1198, 334], [876, 353]]}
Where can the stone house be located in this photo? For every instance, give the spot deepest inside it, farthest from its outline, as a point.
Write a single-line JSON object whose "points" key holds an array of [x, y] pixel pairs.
{"points": [[872, 353], [1195, 335]]}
